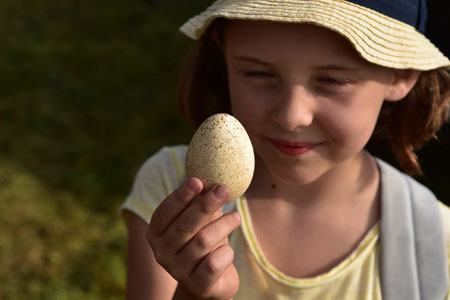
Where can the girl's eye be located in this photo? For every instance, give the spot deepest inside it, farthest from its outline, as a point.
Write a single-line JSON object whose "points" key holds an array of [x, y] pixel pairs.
{"points": [[333, 82], [257, 74]]}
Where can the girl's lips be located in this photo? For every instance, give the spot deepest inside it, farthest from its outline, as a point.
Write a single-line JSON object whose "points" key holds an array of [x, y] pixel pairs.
{"points": [[293, 148]]}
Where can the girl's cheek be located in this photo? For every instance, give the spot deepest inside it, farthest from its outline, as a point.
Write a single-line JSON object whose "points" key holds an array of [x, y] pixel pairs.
{"points": [[249, 99], [351, 129], [340, 120]]}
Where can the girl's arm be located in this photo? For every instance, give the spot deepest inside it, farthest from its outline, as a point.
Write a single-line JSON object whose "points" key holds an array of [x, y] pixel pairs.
{"points": [[146, 279]]}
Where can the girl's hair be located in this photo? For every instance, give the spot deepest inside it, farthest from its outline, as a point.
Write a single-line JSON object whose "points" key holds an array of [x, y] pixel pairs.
{"points": [[407, 125], [204, 81]]}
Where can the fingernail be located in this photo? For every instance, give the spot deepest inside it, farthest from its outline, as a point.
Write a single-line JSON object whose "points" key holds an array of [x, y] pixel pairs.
{"points": [[220, 192], [192, 185]]}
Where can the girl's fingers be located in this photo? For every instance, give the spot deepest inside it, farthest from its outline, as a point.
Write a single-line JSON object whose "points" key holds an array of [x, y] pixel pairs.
{"points": [[208, 239], [207, 277], [173, 206], [194, 218]]}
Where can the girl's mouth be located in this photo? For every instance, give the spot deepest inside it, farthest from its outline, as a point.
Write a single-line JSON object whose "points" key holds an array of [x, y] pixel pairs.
{"points": [[293, 148]]}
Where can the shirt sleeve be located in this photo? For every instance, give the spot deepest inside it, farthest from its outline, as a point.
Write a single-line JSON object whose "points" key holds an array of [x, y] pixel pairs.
{"points": [[159, 176]]}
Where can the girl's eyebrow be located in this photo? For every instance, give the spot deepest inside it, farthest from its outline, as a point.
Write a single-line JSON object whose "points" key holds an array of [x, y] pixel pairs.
{"points": [[250, 59], [337, 67], [327, 67]]}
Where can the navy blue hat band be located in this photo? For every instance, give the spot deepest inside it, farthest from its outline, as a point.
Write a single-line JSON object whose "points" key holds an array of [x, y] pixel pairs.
{"points": [[412, 12]]}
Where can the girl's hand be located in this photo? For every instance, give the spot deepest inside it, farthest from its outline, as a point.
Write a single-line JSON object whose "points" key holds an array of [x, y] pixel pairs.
{"points": [[189, 237]]}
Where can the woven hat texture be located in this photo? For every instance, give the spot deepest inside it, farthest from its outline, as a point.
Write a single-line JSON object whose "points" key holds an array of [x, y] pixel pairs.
{"points": [[378, 38]]}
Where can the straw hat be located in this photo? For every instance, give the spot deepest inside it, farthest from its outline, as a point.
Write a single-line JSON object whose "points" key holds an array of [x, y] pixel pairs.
{"points": [[389, 33]]}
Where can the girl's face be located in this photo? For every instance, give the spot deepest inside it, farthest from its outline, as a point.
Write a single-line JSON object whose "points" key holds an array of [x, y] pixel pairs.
{"points": [[307, 100]]}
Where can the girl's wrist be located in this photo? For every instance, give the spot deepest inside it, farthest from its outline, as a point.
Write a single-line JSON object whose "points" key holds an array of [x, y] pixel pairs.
{"points": [[182, 293]]}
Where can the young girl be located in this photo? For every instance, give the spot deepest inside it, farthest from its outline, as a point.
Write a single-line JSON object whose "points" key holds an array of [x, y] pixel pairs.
{"points": [[311, 82]]}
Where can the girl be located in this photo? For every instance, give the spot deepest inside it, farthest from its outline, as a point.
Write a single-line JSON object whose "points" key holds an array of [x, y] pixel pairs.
{"points": [[312, 82]]}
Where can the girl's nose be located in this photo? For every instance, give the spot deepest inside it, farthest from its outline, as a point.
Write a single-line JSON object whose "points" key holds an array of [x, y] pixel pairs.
{"points": [[294, 109]]}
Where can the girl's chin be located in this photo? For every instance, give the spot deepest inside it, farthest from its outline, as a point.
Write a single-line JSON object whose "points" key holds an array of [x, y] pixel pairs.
{"points": [[299, 176], [286, 172]]}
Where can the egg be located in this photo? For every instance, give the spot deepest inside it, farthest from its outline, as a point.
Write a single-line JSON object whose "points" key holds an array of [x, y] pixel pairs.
{"points": [[220, 152]]}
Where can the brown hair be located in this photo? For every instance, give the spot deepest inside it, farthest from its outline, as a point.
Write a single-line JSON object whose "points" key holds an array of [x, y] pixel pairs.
{"points": [[204, 81], [407, 125]]}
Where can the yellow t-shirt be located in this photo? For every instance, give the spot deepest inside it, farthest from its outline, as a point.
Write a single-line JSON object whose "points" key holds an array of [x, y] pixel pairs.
{"points": [[356, 277]]}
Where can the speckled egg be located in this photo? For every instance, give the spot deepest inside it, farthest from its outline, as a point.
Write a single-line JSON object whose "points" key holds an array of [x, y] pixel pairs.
{"points": [[220, 152]]}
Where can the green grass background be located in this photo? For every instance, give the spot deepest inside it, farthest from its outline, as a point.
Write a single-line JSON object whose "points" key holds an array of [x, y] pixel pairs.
{"points": [[87, 93]]}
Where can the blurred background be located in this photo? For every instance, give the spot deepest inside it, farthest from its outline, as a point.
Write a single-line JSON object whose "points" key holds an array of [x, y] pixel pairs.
{"points": [[87, 93]]}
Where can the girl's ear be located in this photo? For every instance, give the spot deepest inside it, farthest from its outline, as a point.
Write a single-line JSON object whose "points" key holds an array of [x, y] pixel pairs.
{"points": [[403, 82]]}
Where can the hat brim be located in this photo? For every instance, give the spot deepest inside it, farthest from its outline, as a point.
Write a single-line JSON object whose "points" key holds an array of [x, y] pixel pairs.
{"points": [[378, 38]]}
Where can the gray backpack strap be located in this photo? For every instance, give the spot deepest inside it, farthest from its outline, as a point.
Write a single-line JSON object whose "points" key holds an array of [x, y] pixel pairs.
{"points": [[413, 245], [229, 207]]}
